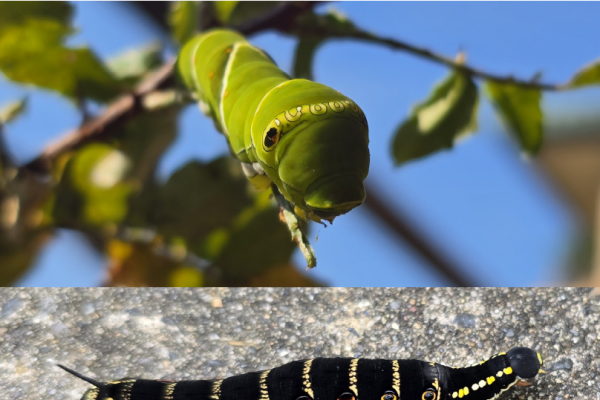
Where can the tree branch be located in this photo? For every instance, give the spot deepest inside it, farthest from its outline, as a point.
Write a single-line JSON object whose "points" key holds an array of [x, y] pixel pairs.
{"points": [[122, 109], [278, 18], [403, 228], [452, 63]]}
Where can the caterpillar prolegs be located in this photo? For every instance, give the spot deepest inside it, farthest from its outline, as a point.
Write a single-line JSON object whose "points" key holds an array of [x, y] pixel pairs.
{"points": [[307, 138], [339, 379]]}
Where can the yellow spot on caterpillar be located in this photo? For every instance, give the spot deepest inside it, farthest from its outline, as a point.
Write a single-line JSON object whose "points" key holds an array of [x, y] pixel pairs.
{"points": [[508, 370], [501, 354], [466, 390], [169, 389], [461, 393], [481, 383], [499, 374], [490, 380], [540, 358], [353, 379], [216, 390], [264, 392], [454, 395], [475, 386], [306, 379], [396, 377], [210, 75]]}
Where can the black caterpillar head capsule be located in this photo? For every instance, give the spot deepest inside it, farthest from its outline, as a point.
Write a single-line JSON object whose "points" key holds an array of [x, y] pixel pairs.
{"points": [[526, 363]]}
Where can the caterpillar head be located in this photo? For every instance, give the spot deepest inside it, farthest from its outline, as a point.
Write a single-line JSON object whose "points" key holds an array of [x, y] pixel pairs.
{"points": [[525, 362], [332, 174], [322, 155]]}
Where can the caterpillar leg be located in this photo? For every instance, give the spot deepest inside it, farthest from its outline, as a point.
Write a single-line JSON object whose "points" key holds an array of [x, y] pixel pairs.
{"points": [[256, 175]]}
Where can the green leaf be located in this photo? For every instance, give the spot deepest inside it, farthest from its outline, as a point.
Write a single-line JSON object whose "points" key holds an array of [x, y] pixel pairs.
{"points": [[91, 78], [144, 140], [588, 75], [303, 58], [435, 124], [17, 12], [104, 185], [32, 53], [94, 189], [212, 209], [224, 9], [520, 110], [131, 66], [257, 245], [183, 20], [12, 110], [200, 198], [243, 11]]}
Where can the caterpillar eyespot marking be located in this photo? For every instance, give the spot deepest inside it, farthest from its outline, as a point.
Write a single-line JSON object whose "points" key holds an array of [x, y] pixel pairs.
{"points": [[254, 102], [431, 395], [346, 396], [336, 379], [389, 395]]}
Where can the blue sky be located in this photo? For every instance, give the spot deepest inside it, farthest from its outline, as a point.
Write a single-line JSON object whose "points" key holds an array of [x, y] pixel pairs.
{"points": [[485, 206]]}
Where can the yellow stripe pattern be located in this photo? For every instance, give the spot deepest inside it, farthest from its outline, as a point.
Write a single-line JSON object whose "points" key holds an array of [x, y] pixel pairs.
{"points": [[264, 391], [396, 377], [306, 385], [353, 377], [169, 389], [216, 390]]}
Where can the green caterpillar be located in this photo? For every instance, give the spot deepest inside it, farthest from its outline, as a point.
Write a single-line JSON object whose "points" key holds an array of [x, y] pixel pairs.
{"points": [[341, 379], [308, 139]]}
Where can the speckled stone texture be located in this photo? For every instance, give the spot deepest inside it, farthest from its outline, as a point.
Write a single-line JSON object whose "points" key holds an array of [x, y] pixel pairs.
{"points": [[208, 333]]}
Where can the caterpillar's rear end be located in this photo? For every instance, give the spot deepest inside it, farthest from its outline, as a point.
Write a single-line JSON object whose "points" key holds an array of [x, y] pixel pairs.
{"points": [[307, 138], [339, 379]]}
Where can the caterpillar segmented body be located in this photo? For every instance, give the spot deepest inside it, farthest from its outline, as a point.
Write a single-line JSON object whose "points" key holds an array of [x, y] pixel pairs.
{"points": [[307, 138], [339, 379]]}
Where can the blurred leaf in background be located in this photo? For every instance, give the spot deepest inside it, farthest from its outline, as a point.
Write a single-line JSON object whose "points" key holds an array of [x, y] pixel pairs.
{"points": [[588, 75], [32, 51], [520, 109], [11, 111], [183, 20], [449, 113]]}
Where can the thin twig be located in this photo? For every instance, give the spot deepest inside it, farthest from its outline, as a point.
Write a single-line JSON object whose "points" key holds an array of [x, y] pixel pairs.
{"points": [[361, 35], [279, 17], [296, 227], [428, 54]]}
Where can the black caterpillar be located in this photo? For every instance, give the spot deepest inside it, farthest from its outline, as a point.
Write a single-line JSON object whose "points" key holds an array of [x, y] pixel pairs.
{"points": [[341, 379]]}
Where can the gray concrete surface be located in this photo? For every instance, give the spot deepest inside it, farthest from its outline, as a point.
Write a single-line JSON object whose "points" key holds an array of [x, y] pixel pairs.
{"points": [[207, 333]]}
